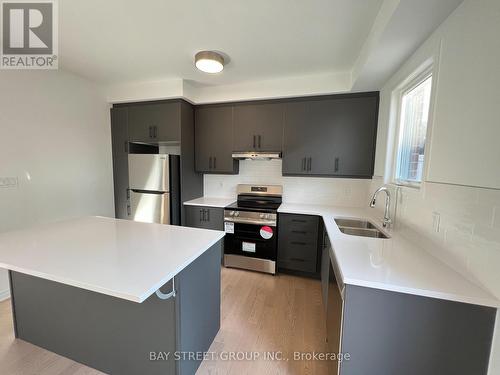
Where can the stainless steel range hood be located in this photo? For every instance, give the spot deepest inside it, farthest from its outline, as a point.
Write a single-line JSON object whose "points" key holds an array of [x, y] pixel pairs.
{"points": [[256, 155]]}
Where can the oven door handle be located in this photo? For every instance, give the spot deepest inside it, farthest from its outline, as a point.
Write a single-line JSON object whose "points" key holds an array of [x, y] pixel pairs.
{"points": [[271, 223]]}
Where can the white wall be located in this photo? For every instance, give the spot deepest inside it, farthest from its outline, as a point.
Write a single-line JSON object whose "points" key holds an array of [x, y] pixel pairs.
{"points": [[329, 191], [462, 183], [55, 139], [197, 93]]}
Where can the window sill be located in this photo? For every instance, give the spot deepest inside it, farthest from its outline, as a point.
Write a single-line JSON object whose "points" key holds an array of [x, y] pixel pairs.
{"points": [[414, 186]]}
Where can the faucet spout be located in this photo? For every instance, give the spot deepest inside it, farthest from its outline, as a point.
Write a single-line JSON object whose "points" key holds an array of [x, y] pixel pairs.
{"points": [[387, 219]]}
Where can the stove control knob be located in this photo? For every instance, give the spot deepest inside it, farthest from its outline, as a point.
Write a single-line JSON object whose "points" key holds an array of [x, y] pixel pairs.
{"points": [[231, 213], [236, 214]]}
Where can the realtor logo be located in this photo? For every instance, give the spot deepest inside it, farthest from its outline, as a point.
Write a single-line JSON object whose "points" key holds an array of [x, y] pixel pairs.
{"points": [[29, 34]]}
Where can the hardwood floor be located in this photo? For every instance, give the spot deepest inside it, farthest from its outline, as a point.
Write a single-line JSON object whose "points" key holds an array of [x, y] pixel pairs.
{"points": [[269, 313], [260, 313]]}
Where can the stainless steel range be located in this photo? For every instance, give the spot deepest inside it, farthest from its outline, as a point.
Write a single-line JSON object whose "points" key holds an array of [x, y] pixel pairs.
{"points": [[251, 226]]}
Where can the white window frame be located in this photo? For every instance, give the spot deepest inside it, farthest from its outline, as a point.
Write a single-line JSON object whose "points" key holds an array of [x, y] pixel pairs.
{"points": [[417, 77]]}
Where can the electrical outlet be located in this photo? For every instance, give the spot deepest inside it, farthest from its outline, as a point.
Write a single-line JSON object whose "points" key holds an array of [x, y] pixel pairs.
{"points": [[436, 221], [8, 182]]}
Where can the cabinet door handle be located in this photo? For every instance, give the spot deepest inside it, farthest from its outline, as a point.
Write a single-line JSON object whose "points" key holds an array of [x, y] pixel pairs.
{"points": [[208, 215], [259, 140], [299, 221], [215, 163], [150, 132], [309, 162], [299, 231], [303, 164], [297, 259], [210, 162], [254, 141], [336, 165], [201, 215], [298, 243], [155, 131], [127, 194]]}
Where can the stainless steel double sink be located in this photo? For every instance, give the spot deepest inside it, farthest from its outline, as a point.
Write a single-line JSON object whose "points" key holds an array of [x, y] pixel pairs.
{"points": [[359, 227]]}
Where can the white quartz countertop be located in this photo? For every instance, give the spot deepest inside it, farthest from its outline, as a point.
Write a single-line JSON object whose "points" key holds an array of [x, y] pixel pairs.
{"points": [[394, 264], [120, 258], [210, 202]]}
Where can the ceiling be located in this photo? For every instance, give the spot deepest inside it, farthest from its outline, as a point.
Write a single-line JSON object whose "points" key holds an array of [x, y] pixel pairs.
{"points": [[144, 50], [116, 41]]}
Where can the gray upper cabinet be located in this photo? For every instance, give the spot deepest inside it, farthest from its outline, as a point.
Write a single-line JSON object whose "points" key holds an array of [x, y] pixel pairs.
{"points": [[298, 141], [140, 128], [119, 145], [155, 122], [331, 136], [258, 126], [214, 140]]}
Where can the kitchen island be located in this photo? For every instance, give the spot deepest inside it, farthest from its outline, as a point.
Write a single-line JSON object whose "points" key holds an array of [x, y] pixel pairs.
{"points": [[99, 291]]}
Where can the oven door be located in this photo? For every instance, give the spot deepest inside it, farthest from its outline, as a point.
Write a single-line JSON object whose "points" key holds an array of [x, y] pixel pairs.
{"points": [[251, 240]]}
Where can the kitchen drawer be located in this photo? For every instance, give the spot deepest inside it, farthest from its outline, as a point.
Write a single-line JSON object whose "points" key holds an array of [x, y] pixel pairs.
{"points": [[299, 223], [298, 250], [308, 236], [297, 264]]}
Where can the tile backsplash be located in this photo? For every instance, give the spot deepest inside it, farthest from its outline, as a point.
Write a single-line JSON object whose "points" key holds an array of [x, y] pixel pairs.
{"points": [[315, 190], [458, 224]]}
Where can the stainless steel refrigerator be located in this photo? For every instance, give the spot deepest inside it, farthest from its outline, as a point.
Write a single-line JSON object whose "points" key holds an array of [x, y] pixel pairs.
{"points": [[154, 188]]}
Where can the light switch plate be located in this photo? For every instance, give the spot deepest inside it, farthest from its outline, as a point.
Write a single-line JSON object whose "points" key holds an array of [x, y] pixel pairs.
{"points": [[8, 182]]}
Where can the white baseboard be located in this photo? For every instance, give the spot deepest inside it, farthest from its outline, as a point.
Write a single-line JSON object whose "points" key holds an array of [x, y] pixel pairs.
{"points": [[4, 294]]}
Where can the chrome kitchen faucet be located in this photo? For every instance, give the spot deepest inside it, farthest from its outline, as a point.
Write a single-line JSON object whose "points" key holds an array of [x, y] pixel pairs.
{"points": [[387, 219]]}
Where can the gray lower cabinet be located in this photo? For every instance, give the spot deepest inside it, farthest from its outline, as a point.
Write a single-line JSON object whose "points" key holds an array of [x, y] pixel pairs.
{"points": [[324, 267], [119, 146], [386, 332], [204, 217], [214, 140], [331, 136], [298, 243], [155, 122], [258, 126]]}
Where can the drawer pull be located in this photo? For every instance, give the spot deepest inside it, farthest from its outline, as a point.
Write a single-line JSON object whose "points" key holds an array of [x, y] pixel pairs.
{"points": [[297, 259], [299, 221], [299, 231], [298, 243]]}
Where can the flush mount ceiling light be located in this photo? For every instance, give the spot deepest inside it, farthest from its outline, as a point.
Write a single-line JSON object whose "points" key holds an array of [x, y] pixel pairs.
{"points": [[209, 61]]}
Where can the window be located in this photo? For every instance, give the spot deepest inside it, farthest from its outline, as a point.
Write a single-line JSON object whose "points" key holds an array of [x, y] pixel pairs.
{"points": [[414, 114]]}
